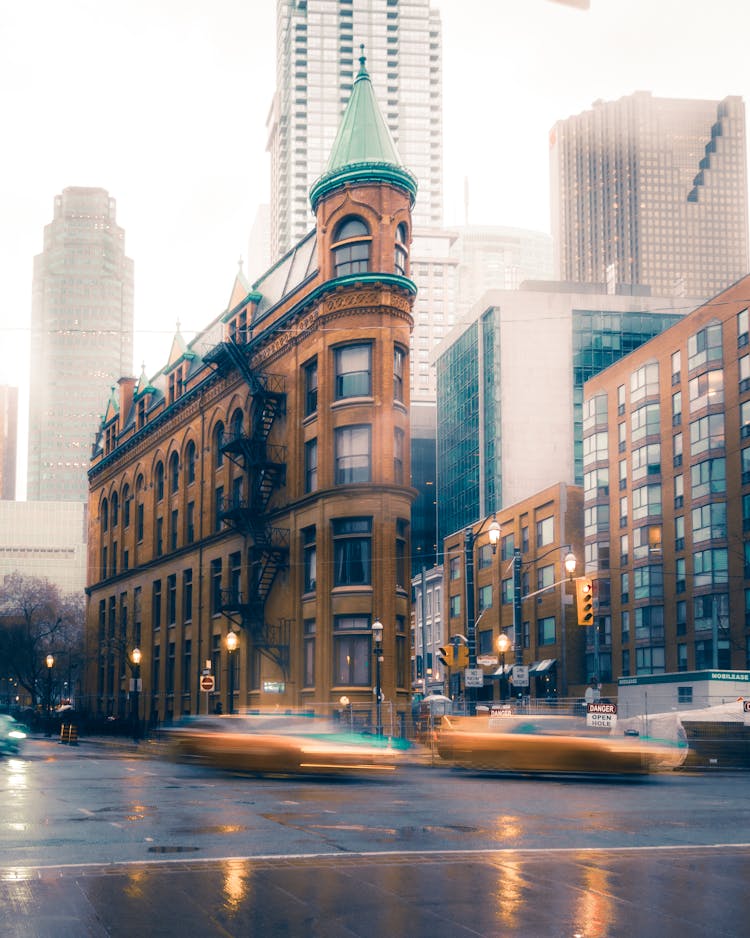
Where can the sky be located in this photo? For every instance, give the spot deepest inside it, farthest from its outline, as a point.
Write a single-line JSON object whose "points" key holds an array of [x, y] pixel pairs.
{"points": [[164, 104]]}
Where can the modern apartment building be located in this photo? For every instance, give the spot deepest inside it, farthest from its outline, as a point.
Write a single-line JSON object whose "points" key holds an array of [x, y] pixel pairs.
{"points": [[666, 435], [510, 389], [317, 48], [8, 441], [652, 191], [81, 339], [259, 483]]}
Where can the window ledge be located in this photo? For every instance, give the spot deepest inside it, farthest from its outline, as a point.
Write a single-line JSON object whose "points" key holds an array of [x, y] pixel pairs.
{"points": [[346, 401]]}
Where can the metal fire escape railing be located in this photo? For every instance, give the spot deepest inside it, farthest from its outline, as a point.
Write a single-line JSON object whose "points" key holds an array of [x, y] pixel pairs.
{"points": [[264, 465]]}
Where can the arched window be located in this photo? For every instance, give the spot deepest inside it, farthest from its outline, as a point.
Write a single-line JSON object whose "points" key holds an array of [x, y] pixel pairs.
{"points": [[237, 418], [401, 250], [351, 247], [126, 506], [190, 462], [159, 481], [105, 515], [139, 489], [115, 504], [219, 444], [174, 473]]}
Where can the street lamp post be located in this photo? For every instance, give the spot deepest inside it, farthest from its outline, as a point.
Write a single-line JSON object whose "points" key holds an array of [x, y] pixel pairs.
{"points": [[232, 641], [503, 644], [377, 650], [135, 657], [50, 662]]}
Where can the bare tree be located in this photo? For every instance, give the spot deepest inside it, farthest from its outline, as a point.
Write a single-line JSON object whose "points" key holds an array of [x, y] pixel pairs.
{"points": [[36, 619]]}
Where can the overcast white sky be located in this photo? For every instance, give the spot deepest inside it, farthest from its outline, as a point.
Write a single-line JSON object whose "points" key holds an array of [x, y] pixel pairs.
{"points": [[164, 102]]}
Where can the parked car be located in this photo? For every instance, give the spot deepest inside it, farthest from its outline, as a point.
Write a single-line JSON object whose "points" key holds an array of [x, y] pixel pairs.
{"points": [[280, 745], [551, 744], [12, 735]]}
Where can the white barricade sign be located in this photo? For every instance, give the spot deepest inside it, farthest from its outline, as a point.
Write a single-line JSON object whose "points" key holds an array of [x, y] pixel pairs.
{"points": [[601, 715]]}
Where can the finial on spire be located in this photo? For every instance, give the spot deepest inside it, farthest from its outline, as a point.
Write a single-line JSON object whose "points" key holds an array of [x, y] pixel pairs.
{"points": [[178, 324], [239, 263], [362, 59]]}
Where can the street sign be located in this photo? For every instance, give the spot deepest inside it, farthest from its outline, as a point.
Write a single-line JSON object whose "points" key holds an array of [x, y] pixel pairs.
{"points": [[601, 715], [520, 675], [208, 682], [136, 683], [746, 712], [473, 677], [486, 661]]}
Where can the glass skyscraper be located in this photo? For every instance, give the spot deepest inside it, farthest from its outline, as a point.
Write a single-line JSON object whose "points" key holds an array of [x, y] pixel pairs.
{"points": [[510, 390]]}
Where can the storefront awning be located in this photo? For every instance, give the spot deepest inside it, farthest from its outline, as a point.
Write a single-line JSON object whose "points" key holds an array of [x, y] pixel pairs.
{"points": [[502, 671], [541, 667]]}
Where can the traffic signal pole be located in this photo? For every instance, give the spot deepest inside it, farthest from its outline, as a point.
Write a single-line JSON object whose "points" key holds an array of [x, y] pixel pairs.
{"points": [[471, 636]]}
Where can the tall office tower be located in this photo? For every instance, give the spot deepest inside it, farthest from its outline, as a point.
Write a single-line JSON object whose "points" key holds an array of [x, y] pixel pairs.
{"points": [[317, 48], [8, 442], [81, 339], [652, 191]]}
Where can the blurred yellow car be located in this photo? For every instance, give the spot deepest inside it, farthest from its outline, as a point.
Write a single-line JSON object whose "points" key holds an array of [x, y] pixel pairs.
{"points": [[280, 745], [551, 744]]}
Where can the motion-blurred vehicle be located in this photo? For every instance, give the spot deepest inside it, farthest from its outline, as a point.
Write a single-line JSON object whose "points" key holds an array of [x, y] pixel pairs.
{"points": [[12, 735], [551, 744], [281, 745]]}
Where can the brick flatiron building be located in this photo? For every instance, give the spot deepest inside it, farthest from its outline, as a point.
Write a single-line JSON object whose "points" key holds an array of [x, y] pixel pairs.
{"points": [[259, 483]]}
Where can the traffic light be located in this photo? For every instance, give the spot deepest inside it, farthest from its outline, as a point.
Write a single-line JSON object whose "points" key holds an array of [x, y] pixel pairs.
{"points": [[585, 600], [460, 656], [445, 656]]}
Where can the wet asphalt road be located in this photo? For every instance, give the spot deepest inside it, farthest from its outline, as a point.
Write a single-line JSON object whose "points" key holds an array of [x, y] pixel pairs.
{"points": [[98, 842]]}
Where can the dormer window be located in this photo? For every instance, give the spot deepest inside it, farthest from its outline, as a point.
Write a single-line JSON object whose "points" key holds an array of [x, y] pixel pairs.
{"points": [[351, 248], [401, 253]]}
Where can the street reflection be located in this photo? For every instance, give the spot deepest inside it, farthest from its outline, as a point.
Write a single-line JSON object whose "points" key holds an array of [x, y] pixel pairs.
{"points": [[236, 883], [508, 827], [135, 883], [594, 911], [508, 897], [17, 781]]}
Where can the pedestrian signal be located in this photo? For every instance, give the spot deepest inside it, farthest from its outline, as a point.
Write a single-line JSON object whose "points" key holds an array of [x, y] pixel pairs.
{"points": [[585, 600], [445, 656]]}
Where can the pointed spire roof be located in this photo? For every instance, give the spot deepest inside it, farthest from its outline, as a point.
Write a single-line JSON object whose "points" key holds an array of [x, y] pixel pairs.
{"points": [[113, 406], [179, 346], [363, 149], [144, 385]]}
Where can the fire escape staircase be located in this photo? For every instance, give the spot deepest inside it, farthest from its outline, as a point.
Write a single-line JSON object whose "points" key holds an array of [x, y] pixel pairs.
{"points": [[264, 465]]}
